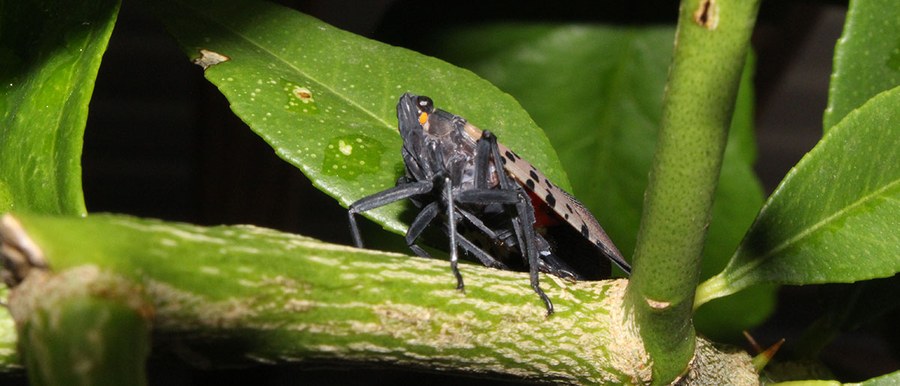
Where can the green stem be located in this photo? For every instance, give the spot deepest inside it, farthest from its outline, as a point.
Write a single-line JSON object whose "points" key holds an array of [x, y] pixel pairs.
{"points": [[710, 50]]}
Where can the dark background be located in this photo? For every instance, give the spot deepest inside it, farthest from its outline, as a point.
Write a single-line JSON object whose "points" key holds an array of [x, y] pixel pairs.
{"points": [[161, 142]]}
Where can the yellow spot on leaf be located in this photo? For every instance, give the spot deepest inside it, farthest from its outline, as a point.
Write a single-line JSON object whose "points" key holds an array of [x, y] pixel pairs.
{"points": [[345, 147]]}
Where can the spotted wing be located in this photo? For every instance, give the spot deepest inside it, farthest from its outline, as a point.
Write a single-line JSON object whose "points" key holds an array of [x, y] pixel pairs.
{"points": [[560, 201]]}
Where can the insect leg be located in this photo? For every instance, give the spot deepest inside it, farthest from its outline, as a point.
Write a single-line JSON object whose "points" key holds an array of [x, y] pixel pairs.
{"points": [[428, 213], [550, 263], [523, 223], [487, 148], [470, 247], [484, 257], [547, 262], [529, 249], [475, 221], [383, 198], [488, 144], [482, 162], [451, 225], [487, 196]]}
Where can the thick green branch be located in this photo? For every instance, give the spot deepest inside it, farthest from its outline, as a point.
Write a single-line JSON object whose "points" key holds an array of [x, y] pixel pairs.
{"points": [[233, 293], [243, 294], [710, 50]]}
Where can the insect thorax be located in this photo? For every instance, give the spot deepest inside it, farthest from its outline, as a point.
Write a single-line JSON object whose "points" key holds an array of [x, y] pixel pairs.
{"points": [[443, 146]]}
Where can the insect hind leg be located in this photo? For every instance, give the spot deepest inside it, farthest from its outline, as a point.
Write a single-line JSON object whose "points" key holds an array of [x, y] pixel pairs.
{"points": [[523, 222], [526, 226]]}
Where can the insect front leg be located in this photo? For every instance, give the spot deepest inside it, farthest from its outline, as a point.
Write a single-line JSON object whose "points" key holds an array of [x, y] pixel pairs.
{"points": [[383, 198]]}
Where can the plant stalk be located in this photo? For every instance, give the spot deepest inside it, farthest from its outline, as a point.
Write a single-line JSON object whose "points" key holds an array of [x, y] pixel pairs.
{"points": [[711, 46]]}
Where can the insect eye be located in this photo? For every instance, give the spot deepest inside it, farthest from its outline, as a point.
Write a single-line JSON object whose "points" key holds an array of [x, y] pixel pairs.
{"points": [[425, 104]]}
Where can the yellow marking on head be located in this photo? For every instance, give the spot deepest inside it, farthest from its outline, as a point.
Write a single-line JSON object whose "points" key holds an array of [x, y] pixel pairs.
{"points": [[423, 117]]}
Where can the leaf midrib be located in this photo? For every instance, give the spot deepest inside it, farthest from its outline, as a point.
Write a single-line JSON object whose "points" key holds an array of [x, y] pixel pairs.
{"points": [[752, 265]]}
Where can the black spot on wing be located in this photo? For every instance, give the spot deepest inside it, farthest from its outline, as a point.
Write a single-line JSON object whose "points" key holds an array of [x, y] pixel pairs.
{"points": [[509, 155], [534, 175], [503, 160], [530, 183], [584, 230], [568, 207], [550, 200], [547, 182]]}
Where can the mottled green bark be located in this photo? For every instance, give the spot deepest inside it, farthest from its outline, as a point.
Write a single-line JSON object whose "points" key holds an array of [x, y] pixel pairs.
{"points": [[243, 294], [247, 294]]}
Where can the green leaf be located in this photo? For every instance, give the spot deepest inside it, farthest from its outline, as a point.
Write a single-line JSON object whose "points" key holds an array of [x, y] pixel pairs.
{"points": [[834, 218], [325, 99], [597, 91], [50, 52], [884, 380], [866, 58]]}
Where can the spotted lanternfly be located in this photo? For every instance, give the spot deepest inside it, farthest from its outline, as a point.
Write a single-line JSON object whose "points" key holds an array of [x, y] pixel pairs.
{"points": [[508, 217]]}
